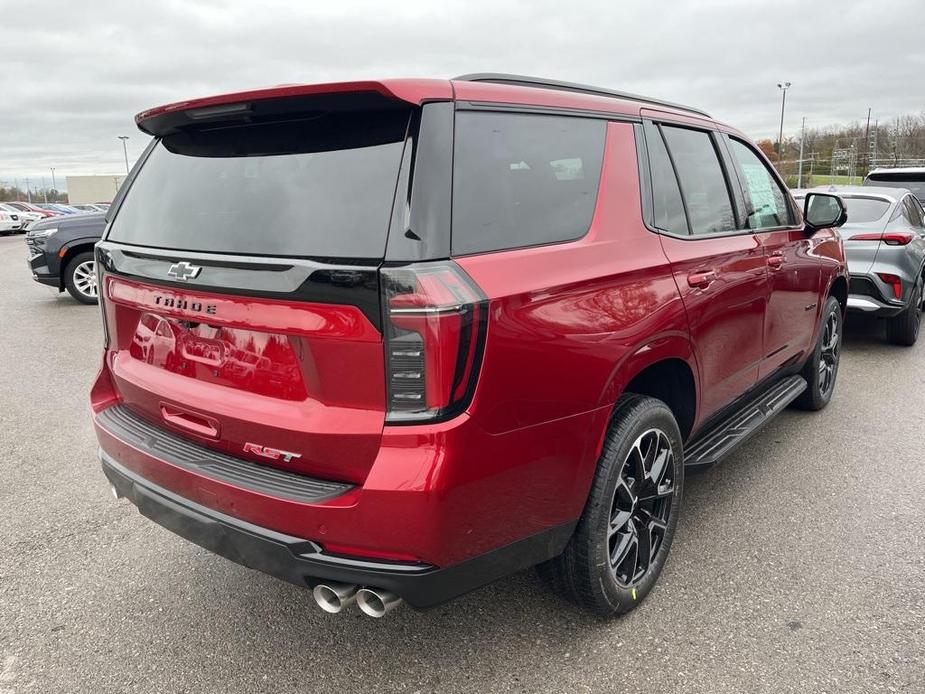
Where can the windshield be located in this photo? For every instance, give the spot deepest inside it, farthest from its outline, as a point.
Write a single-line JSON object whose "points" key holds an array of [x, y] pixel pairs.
{"points": [[912, 182], [318, 186]]}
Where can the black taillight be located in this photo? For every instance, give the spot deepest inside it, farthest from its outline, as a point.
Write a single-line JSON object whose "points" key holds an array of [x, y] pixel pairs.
{"points": [[434, 324]]}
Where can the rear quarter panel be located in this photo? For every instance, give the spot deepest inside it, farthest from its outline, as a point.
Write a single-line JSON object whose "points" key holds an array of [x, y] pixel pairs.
{"points": [[569, 325]]}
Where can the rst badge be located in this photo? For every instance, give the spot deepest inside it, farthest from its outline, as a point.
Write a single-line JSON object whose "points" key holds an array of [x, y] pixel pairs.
{"points": [[271, 453]]}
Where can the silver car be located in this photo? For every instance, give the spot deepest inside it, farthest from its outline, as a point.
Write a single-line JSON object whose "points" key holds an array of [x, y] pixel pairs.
{"points": [[885, 247]]}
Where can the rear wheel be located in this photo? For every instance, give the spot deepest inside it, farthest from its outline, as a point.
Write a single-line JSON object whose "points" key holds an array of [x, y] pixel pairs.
{"points": [[821, 368], [904, 328], [80, 278], [621, 542]]}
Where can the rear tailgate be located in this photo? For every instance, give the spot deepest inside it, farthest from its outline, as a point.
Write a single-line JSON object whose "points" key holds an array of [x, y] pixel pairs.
{"points": [[241, 291]]}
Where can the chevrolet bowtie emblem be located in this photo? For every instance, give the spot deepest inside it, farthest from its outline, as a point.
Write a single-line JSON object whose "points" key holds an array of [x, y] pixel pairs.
{"points": [[183, 271]]}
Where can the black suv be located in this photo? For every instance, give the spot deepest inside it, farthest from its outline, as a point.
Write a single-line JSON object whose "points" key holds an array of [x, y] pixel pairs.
{"points": [[61, 253]]}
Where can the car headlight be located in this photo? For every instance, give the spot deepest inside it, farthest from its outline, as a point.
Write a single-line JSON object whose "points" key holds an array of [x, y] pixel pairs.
{"points": [[43, 233]]}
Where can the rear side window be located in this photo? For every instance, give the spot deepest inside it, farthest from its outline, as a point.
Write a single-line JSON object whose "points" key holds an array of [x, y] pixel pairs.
{"points": [[317, 186], [703, 184], [523, 180], [769, 207], [912, 212], [667, 204]]}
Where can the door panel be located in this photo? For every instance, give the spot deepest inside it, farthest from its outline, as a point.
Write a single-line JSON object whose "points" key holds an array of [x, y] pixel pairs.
{"points": [[723, 282], [793, 285], [793, 277]]}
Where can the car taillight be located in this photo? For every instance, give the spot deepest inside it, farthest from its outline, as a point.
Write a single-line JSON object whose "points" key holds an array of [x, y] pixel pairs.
{"points": [[890, 238], [897, 238], [893, 281], [434, 325]]}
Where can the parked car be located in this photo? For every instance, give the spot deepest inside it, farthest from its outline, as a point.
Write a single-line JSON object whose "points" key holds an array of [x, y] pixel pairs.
{"points": [[908, 178], [885, 248], [29, 207], [325, 383], [10, 223], [27, 218], [89, 208], [61, 254], [59, 208]]}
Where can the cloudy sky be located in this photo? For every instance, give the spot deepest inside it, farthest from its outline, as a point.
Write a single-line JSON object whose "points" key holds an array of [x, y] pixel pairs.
{"points": [[73, 74]]}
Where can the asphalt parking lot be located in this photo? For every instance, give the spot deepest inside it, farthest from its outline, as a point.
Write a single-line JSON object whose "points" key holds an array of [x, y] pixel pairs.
{"points": [[799, 564]]}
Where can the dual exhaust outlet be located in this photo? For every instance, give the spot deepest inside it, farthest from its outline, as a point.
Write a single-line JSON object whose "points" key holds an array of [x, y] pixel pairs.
{"points": [[333, 597], [373, 602]]}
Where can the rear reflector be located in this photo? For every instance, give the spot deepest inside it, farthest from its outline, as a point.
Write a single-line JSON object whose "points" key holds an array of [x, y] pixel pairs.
{"points": [[434, 326], [894, 282]]}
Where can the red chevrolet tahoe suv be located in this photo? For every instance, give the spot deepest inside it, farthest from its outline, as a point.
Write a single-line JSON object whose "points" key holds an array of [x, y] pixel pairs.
{"points": [[393, 340]]}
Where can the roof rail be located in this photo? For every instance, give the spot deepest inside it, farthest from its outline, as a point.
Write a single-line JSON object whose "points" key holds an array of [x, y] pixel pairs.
{"points": [[541, 83]]}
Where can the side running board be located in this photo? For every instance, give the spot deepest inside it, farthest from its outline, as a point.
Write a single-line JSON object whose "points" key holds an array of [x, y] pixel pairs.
{"points": [[717, 442]]}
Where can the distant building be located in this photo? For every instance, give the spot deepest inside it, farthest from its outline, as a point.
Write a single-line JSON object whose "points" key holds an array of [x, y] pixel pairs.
{"points": [[84, 189]]}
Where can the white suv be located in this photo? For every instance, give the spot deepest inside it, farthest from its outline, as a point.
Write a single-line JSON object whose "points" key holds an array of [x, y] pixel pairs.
{"points": [[9, 223], [27, 218]]}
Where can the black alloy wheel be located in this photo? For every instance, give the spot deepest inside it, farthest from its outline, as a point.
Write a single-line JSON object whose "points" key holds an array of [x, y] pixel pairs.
{"points": [[641, 507]]}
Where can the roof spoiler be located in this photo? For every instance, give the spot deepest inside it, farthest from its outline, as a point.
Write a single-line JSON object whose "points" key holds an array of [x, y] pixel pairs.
{"points": [[291, 99]]}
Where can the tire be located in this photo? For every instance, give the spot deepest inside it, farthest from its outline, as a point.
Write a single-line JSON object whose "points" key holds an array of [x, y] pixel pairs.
{"points": [[904, 328], [821, 368], [80, 278], [642, 432]]}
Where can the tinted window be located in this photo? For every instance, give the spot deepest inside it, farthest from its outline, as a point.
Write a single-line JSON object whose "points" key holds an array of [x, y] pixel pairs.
{"points": [[523, 180], [668, 208], [863, 210], [912, 212], [769, 207], [702, 182], [919, 212], [913, 182], [320, 186]]}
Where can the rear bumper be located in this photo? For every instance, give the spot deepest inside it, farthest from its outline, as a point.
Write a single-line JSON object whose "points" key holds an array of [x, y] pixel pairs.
{"points": [[866, 296], [304, 563], [872, 307]]}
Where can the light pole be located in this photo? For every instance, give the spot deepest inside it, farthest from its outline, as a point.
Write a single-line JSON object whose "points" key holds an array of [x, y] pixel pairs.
{"points": [[783, 86], [54, 186], [125, 149], [802, 137]]}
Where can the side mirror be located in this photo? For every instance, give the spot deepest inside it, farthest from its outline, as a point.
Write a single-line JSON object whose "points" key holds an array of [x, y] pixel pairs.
{"points": [[821, 210]]}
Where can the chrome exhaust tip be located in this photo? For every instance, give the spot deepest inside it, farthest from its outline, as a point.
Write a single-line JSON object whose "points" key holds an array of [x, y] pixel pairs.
{"points": [[333, 597], [114, 491], [375, 602]]}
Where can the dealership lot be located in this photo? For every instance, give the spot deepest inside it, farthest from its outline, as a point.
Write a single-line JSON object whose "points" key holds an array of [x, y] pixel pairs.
{"points": [[799, 564]]}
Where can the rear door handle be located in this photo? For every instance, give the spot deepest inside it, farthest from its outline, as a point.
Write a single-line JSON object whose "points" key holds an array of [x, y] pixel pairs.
{"points": [[701, 280], [776, 261]]}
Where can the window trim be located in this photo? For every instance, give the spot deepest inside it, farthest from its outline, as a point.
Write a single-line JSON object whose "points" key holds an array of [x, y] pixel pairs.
{"points": [[785, 191], [531, 109]]}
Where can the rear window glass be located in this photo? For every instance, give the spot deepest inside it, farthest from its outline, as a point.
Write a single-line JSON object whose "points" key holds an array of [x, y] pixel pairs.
{"points": [[320, 186], [861, 210], [523, 180], [913, 182]]}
